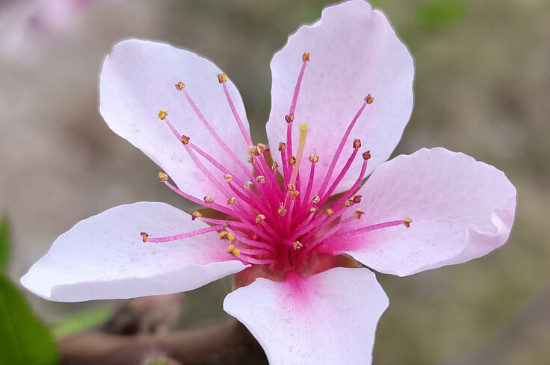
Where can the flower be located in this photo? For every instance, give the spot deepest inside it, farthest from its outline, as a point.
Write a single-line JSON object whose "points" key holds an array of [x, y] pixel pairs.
{"points": [[292, 221]]}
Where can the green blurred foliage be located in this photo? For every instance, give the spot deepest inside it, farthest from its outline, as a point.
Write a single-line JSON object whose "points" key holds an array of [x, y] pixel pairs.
{"points": [[4, 244], [80, 322], [24, 338], [441, 13]]}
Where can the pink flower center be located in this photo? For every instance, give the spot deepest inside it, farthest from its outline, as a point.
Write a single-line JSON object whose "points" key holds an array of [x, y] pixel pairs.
{"points": [[274, 220]]}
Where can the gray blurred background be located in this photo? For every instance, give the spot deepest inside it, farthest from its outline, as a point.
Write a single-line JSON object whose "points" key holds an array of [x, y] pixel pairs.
{"points": [[482, 87]]}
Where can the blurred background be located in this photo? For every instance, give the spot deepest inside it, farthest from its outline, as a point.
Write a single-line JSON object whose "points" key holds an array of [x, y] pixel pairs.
{"points": [[482, 87]]}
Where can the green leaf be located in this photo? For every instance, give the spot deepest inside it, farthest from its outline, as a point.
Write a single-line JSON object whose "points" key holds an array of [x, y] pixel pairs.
{"points": [[4, 244], [441, 13], [24, 339], [80, 322]]}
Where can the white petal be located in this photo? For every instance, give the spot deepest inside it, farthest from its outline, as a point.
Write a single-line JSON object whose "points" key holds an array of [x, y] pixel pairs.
{"points": [[354, 51], [103, 257], [328, 318], [137, 81]]}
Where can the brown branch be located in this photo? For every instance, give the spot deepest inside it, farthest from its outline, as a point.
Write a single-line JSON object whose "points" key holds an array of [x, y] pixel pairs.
{"points": [[225, 343]]}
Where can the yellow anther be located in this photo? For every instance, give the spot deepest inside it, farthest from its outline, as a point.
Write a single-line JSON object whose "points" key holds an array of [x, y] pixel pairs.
{"points": [[236, 252], [274, 165], [315, 199], [294, 195], [292, 160], [407, 222], [297, 245], [162, 114], [248, 185], [230, 248], [290, 187], [356, 143], [260, 218], [289, 118], [185, 139], [225, 235], [313, 158], [369, 99], [222, 78], [232, 201], [358, 213], [366, 155], [305, 57], [313, 210], [357, 199], [208, 199], [260, 179], [329, 212], [195, 215], [228, 177], [347, 203], [144, 236], [282, 211], [180, 85], [261, 148], [162, 177], [282, 146]]}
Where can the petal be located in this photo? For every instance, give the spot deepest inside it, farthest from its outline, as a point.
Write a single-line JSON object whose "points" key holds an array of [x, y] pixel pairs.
{"points": [[329, 318], [461, 209], [103, 257], [354, 51], [138, 80]]}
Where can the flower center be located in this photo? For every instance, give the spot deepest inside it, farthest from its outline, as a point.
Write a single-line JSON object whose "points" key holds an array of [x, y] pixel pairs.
{"points": [[273, 219]]}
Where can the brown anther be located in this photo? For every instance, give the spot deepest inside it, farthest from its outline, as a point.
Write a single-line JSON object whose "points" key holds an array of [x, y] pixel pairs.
{"points": [[305, 57], [356, 143], [369, 99], [195, 215], [357, 199], [256, 151], [162, 177], [185, 139], [313, 210], [274, 165], [282, 211], [260, 218], [407, 222], [315, 199], [297, 245], [292, 160], [162, 114], [366, 155], [313, 158], [144, 236], [294, 195], [358, 213], [222, 78], [251, 150], [290, 187], [228, 178], [250, 159], [260, 179], [329, 212], [248, 185], [282, 146], [347, 203], [180, 85], [208, 199], [232, 201], [261, 148], [289, 118]]}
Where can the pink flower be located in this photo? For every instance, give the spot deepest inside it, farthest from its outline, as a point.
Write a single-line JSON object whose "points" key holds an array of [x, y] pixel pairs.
{"points": [[291, 230]]}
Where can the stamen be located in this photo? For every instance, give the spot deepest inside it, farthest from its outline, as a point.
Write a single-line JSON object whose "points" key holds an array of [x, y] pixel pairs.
{"points": [[208, 199], [179, 86], [163, 114], [147, 238]]}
